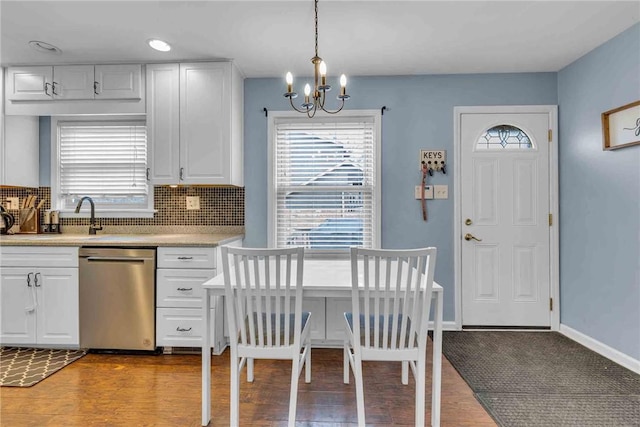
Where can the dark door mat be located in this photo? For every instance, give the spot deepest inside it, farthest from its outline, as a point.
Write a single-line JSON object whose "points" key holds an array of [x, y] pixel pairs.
{"points": [[24, 367], [527, 410], [543, 379]]}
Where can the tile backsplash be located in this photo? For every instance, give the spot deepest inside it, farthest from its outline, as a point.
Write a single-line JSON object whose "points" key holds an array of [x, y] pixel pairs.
{"points": [[219, 207]]}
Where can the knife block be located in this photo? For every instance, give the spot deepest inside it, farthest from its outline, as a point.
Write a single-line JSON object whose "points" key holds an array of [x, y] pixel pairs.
{"points": [[29, 220]]}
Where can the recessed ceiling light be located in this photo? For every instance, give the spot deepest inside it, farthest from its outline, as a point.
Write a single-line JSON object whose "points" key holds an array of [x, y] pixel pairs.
{"points": [[45, 47], [160, 45]]}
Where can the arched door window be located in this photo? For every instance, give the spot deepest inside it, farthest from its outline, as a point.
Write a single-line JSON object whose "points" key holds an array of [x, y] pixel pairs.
{"points": [[504, 137]]}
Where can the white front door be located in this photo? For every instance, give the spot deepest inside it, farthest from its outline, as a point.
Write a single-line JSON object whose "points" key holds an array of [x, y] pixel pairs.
{"points": [[504, 214]]}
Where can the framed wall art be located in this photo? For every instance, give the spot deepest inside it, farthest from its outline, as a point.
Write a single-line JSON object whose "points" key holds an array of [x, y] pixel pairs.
{"points": [[621, 126]]}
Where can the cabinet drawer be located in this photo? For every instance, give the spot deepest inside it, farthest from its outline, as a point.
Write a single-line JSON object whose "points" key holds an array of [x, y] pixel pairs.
{"points": [[181, 327], [38, 256], [181, 287], [183, 257]]}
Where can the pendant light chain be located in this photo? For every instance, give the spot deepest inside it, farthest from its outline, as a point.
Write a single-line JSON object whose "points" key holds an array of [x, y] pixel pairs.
{"points": [[314, 100], [316, 11]]}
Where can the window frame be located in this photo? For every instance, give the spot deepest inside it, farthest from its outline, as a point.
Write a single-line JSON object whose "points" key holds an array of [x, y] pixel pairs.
{"points": [[271, 171], [100, 212]]}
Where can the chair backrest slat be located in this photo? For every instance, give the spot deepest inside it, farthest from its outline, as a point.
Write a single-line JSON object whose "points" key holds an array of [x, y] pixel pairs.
{"points": [[391, 296], [264, 297]]}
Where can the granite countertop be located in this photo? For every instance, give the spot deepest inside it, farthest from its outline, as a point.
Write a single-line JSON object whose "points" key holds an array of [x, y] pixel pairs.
{"points": [[122, 240]]}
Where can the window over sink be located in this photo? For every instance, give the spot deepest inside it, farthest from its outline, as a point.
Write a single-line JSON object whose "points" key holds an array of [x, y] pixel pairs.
{"points": [[105, 159]]}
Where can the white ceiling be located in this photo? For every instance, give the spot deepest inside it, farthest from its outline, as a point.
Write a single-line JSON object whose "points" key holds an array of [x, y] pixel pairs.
{"points": [[267, 38]]}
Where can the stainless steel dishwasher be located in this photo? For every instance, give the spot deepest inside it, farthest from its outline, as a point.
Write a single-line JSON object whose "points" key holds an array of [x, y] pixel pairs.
{"points": [[117, 298]]}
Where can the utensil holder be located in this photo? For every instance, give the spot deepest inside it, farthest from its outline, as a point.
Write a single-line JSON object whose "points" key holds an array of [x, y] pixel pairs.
{"points": [[29, 220]]}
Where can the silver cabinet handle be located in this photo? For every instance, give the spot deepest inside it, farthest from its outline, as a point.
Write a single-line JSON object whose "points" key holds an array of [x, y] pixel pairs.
{"points": [[36, 280], [53, 88], [185, 257], [46, 89], [179, 329], [181, 174], [95, 88], [29, 279], [148, 172], [185, 289]]}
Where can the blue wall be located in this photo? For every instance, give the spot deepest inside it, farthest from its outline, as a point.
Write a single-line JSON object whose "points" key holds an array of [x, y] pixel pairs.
{"points": [[600, 198], [419, 116]]}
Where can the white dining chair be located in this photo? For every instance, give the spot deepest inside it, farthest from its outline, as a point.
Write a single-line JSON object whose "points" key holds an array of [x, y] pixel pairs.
{"points": [[391, 298], [263, 290]]}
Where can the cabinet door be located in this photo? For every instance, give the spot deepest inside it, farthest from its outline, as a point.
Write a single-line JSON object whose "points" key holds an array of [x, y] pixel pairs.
{"points": [[163, 122], [73, 82], [316, 307], [118, 81], [58, 310], [20, 161], [29, 83], [17, 307], [205, 104], [336, 307]]}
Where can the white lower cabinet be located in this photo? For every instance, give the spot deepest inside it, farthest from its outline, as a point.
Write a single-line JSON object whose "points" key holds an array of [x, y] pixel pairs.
{"points": [[179, 278], [316, 306], [336, 307], [39, 304]]}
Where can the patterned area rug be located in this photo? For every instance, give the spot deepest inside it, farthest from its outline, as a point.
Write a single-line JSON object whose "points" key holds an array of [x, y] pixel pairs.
{"points": [[543, 379], [24, 367]]}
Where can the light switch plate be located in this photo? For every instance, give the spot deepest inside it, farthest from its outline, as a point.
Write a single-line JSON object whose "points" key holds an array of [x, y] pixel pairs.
{"points": [[428, 192], [441, 191], [193, 203]]}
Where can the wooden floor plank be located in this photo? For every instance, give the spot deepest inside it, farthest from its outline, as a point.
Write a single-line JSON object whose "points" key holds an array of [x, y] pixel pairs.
{"points": [[164, 390]]}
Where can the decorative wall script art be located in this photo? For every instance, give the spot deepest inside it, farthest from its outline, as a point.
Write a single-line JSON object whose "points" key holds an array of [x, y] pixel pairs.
{"points": [[621, 126]]}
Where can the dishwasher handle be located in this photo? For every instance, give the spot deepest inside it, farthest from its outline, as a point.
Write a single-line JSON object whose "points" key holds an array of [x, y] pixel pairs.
{"points": [[116, 259]]}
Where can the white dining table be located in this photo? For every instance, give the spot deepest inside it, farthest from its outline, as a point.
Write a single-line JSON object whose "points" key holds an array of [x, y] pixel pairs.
{"points": [[321, 278]]}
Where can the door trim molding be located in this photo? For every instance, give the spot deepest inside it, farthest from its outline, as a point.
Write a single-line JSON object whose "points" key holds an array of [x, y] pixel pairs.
{"points": [[554, 234]]}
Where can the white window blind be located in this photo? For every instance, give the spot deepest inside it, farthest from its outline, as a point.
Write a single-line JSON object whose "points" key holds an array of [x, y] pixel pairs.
{"points": [[104, 160], [325, 180]]}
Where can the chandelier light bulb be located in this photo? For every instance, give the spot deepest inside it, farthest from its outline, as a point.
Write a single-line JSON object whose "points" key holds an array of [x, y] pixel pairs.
{"points": [[343, 81], [289, 79], [307, 90], [323, 69]]}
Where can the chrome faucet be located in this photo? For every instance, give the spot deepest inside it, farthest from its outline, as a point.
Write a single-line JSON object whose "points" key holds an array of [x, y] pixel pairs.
{"points": [[92, 224]]}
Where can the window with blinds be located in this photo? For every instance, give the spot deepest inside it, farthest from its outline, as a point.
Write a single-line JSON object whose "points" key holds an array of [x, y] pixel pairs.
{"points": [[104, 160], [325, 182]]}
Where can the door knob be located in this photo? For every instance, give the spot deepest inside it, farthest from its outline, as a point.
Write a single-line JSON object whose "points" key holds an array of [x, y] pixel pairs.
{"points": [[470, 236]]}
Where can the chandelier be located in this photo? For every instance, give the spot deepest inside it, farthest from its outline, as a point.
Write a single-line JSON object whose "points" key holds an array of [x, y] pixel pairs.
{"points": [[314, 101]]}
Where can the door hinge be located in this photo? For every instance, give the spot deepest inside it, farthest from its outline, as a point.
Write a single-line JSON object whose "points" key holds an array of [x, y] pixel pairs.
{"points": [[550, 220], [550, 135], [550, 304]]}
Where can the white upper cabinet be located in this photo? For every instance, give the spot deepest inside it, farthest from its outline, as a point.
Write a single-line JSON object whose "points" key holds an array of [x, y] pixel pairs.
{"points": [[74, 82], [29, 83], [118, 81], [73, 89], [20, 151], [194, 123]]}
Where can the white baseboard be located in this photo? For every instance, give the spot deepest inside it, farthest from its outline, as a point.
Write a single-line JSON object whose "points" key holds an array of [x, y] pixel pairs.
{"points": [[602, 349], [446, 326]]}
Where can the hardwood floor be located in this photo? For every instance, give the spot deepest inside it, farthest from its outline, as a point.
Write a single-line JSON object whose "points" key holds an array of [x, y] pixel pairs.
{"points": [[164, 390]]}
